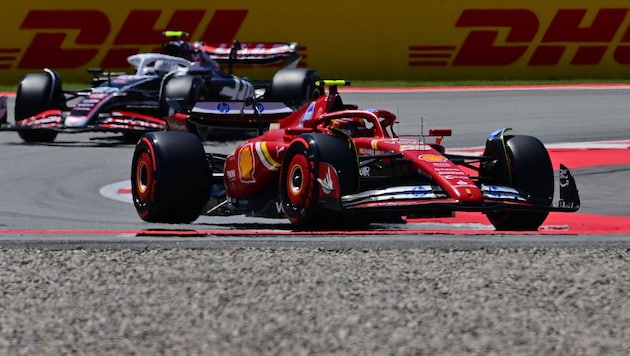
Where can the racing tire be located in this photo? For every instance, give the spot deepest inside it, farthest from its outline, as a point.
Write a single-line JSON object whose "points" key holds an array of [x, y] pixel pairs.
{"points": [[38, 92], [299, 187], [295, 87], [169, 177], [181, 93], [531, 171]]}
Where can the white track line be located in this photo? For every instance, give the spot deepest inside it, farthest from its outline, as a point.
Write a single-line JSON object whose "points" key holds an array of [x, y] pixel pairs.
{"points": [[485, 88]]}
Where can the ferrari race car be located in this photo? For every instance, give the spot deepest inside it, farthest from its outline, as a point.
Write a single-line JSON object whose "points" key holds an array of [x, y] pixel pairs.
{"points": [[329, 164], [163, 84]]}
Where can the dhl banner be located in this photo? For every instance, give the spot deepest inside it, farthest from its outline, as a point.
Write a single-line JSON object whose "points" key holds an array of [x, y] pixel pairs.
{"points": [[354, 39]]}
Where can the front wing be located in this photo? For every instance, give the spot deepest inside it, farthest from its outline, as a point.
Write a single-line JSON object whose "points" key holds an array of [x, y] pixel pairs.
{"points": [[115, 121], [419, 197]]}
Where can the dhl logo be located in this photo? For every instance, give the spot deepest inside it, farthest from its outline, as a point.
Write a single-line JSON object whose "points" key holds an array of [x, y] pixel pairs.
{"points": [[493, 37], [83, 34], [483, 47]]}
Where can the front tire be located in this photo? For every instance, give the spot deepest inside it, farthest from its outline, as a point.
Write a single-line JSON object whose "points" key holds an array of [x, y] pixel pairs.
{"points": [[169, 177], [38, 92], [528, 168], [299, 185]]}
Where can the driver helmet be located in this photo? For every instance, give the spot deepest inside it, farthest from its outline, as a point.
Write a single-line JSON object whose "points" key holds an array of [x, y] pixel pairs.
{"points": [[163, 67], [350, 125], [178, 49]]}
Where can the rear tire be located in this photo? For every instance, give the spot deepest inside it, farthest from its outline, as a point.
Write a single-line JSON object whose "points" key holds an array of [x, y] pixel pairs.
{"points": [[295, 87], [169, 177], [531, 171], [181, 93], [36, 93]]}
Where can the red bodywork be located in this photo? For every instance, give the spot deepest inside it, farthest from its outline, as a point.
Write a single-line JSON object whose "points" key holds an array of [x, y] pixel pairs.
{"points": [[254, 165], [329, 161]]}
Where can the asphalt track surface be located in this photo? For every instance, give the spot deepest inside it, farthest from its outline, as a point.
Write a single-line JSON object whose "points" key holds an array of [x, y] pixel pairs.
{"points": [[74, 192]]}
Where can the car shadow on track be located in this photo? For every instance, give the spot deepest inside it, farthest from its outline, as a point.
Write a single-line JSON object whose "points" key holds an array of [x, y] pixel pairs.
{"points": [[223, 137], [104, 142], [257, 227]]}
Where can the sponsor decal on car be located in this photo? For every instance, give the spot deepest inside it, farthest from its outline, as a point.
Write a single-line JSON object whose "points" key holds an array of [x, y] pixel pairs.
{"points": [[326, 183], [308, 115], [246, 164], [266, 157], [223, 107], [432, 158], [414, 147]]}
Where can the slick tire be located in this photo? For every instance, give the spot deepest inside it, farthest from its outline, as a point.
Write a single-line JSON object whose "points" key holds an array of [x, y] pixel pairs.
{"points": [[169, 177], [181, 93], [295, 87], [299, 186], [531, 171], [38, 92]]}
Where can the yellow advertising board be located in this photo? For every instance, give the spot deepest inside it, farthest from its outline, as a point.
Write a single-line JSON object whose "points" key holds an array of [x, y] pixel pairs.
{"points": [[360, 39]]}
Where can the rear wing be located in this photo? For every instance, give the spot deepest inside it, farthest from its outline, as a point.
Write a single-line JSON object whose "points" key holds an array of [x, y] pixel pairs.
{"points": [[254, 53]]}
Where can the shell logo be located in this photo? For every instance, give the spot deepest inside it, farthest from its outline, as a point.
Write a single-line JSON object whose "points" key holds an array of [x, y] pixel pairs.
{"points": [[246, 164], [432, 158]]}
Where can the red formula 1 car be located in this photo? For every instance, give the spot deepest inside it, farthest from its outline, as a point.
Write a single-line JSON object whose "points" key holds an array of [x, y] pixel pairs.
{"points": [[334, 163], [185, 73]]}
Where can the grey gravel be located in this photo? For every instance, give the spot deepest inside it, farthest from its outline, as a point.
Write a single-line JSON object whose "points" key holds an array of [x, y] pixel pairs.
{"points": [[307, 301]]}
